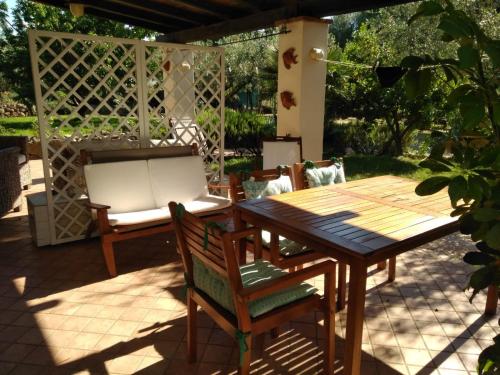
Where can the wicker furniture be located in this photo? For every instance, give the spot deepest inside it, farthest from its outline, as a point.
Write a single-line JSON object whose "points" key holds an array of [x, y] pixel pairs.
{"points": [[380, 217], [22, 157], [129, 191], [10, 181], [248, 300]]}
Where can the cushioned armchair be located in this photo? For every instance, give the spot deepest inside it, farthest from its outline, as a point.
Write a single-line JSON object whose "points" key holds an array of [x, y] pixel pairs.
{"points": [[279, 250], [247, 300], [22, 156], [10, 182]]}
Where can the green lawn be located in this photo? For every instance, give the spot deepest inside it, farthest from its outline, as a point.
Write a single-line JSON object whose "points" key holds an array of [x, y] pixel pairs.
{"points": [[356, 167], [18, 126]]}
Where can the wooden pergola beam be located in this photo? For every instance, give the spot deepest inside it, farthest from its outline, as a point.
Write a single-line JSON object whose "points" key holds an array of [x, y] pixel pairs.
{"points": [[233, 26]]}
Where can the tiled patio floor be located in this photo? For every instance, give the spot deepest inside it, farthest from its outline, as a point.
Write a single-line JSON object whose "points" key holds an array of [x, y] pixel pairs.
{"points": [[60, 313]]}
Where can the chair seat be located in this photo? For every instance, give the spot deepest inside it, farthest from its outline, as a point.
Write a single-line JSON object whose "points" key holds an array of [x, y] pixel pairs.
{"points": [[202, 204], [138, 217], [288, 247], [217, 288], [207, 203]]}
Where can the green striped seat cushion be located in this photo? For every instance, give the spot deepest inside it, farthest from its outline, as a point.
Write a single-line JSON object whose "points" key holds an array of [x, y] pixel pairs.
{"points": [[287, 247], [217, 287]]}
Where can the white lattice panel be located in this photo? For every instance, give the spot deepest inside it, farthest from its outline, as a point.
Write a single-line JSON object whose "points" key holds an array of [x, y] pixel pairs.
{"points": [[109, 93]]}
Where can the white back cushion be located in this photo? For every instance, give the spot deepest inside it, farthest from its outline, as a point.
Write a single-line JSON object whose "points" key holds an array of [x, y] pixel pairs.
{"points": [[179, 179], [122, 185], [280, 153]]}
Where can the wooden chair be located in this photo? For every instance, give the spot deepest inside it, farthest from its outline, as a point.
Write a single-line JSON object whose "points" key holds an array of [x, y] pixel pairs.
{"points": [[281, 151], [281, 252], [249, 300], [301, 182]]}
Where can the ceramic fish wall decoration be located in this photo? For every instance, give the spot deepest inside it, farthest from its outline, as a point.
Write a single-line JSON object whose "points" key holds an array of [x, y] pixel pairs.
{"points": [[289, 57], [287, 99]]}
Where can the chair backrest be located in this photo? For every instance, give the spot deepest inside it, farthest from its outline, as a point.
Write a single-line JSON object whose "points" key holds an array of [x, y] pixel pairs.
{"points": [[108, 156], [281, 151], [299, 177], [236, 190], [212, 246]]}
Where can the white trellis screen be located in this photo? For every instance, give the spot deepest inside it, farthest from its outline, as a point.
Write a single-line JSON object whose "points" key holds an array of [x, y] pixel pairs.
{"points": [[108, 93]]}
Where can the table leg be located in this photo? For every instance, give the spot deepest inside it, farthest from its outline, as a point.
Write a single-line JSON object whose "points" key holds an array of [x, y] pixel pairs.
{"points": [[491, 300], [355, 317], [341, 289], [239, 224], [392, 269]]}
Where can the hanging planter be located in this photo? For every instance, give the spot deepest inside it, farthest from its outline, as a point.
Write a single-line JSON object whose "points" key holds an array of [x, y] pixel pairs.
{"points": [[287, 99]]}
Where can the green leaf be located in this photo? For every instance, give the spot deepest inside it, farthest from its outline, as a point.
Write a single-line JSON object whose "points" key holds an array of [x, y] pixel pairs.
{"points": [[412, 62], [492, 238], [492, 49], [435, 165], [417, 82], [455, 27], [485, 214], [496, 111], [482, 278], [432, 185], [468, 57], [478, 188], [458, 93], [457, 189], [459, 211], [480, 233], [472, 109], [467, 224], [476, 258], [425, 9]]}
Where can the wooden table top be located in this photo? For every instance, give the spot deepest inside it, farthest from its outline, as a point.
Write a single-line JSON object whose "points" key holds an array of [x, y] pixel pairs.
{"points": [[362, 218]]}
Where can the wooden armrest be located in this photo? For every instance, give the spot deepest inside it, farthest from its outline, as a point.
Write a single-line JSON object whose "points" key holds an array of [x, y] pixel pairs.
{"points": [[239, 234], [97, 206], [290, 279]]}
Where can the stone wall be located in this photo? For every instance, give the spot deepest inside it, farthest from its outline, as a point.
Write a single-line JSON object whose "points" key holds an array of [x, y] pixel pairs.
{"points": [[13, 110]]}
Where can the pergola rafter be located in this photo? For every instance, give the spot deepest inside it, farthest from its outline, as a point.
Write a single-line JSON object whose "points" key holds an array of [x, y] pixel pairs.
{"points": [[184, 21]]}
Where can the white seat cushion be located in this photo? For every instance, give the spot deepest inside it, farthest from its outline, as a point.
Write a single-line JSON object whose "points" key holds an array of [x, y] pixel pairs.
{"points": [[21, 158], [124, 185], [179, 179], [138, 217], [208, 203]]}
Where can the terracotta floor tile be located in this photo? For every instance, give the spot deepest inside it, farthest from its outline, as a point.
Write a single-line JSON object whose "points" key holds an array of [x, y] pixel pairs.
{"points": [[16, 352], [124, 365], [98, 325], [420, 357], [123, 328]]}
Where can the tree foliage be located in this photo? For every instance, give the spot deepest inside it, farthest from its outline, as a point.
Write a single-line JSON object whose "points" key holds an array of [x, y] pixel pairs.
{"points": [[472, 170], [15, 65]]}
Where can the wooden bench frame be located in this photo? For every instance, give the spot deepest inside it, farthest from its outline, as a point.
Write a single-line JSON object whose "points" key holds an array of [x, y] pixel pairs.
{"points": [[111, 234]]}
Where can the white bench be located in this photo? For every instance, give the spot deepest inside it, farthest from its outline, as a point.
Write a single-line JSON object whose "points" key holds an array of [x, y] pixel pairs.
{"points": [[129, 192]]}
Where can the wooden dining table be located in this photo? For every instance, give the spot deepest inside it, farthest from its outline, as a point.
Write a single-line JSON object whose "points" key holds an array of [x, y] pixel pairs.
{"points": [[360, 223]]}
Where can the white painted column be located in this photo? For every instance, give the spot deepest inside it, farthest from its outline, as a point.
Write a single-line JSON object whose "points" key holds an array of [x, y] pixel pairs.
{"points": [[306, 81]]}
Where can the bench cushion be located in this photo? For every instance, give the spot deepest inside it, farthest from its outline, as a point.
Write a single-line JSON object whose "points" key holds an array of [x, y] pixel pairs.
{"points": [[179, 179], [122, 185], [203, 204], [138, 217], [217, 287], [208, 203]]}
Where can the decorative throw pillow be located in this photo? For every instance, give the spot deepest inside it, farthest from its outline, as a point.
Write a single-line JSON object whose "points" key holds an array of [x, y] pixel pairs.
{"points": [[340, 177], [321, 176], [259, 189]]}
